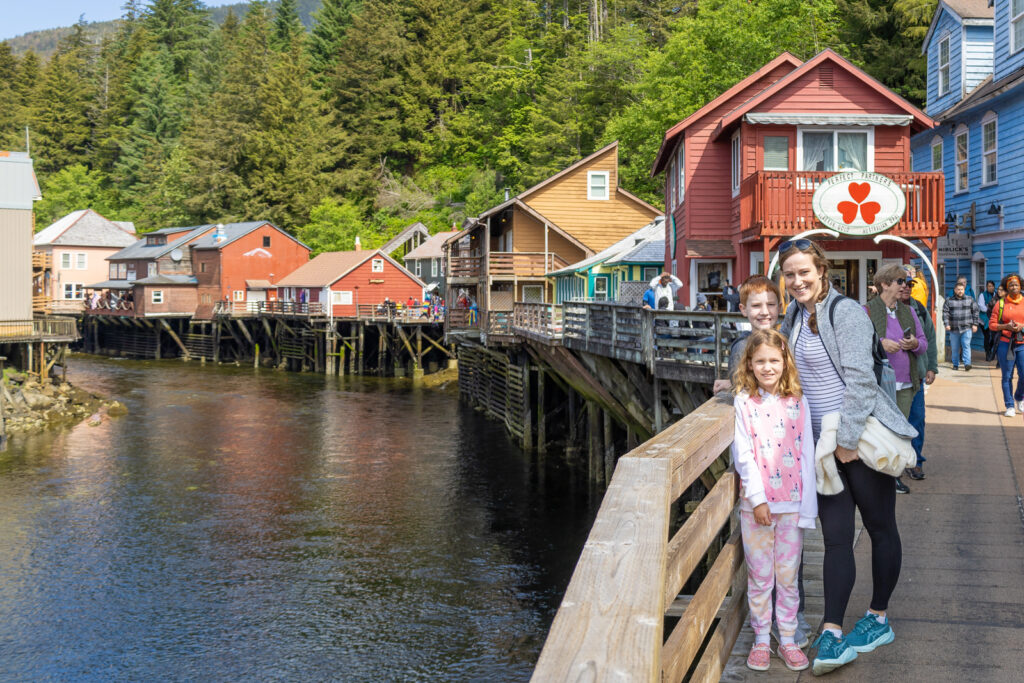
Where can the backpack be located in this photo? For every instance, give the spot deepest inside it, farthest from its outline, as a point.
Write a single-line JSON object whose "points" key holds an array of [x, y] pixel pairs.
{"points": [[885, 376]]}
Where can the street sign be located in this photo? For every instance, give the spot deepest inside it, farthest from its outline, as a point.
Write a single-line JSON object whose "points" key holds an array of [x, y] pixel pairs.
{"points": [[955, 246], [858, 203]]}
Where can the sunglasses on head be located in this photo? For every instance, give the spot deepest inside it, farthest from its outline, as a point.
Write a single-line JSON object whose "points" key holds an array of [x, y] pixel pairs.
{"points": [[800, 244]]}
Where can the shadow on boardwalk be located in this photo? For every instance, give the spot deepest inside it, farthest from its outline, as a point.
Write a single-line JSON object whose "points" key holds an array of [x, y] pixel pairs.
{"points": [[958, 611]]}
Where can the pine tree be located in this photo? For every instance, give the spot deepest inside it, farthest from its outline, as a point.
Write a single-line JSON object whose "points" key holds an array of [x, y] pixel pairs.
{"points": [[182, 27], [333, 20], [287, 27]]}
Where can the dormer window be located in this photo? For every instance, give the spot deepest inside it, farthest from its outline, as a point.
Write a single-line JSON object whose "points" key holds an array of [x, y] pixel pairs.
{"points": [[1016, 25], [597, 185], [155, 240], [944, 62]]}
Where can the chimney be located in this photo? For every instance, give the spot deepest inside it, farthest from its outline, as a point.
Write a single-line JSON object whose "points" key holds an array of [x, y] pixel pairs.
{"points": [[506, 193], [218, 234], [359, 246]]}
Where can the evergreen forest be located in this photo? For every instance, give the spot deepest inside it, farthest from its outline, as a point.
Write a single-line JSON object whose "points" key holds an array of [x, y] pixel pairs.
{"points": [[385, 112]]}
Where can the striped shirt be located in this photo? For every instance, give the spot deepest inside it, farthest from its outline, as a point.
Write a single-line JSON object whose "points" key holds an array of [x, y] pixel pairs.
{"points": [[823, 387]]}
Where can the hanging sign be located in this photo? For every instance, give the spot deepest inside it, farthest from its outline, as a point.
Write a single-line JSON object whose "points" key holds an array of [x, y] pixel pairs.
{"points": [[955, 246], [858, 203]]}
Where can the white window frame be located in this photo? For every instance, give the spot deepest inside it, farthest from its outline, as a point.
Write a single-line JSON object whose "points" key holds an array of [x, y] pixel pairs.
{"points": [[944, 86], [156, 296], [648, 273], [534, 288], [341, 297], [990, 119], [65, 260], [978, 272], [77, 291], [681, 172], [129, 273], [377, 265], [122, 271], [418, 267], [937, 142], [81, 260], [1013, 20], [433, 267], [865, 130], [239, 294], [151, 269], [695, 283], [607, 282], [112, 272], [964, 172], [736, 155], [590, 185], [670, 178]]}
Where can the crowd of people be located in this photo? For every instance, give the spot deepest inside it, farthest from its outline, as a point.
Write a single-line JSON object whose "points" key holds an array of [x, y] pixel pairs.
{"points": [[830, 414]]}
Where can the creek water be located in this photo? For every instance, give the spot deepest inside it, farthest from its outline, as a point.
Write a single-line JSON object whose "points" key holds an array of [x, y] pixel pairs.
{"points": [[258, 525]]}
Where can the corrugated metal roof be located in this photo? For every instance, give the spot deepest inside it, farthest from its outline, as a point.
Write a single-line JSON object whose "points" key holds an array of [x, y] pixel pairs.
{"points": [[111, 284], [232, 232], [432, 247], [326, 268], [18, 185], [84, 228], [168, 280], [653, 230], [175, 238], [799, 119]]}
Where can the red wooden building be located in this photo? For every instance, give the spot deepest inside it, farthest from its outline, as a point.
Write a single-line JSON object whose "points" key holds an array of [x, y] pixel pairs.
{"points": [[740, 172], [348, 279], [242, 262]]}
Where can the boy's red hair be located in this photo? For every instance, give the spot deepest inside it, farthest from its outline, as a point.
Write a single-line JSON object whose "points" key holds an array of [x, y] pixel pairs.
{"points": [[755, 284]]}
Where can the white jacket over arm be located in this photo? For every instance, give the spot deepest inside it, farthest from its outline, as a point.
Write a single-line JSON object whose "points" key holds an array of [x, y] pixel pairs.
{"points": [[753, 493]]}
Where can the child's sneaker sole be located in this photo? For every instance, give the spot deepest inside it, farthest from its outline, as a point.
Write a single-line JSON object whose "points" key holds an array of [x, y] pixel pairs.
{"points": [[820, 667], [883, 639]]}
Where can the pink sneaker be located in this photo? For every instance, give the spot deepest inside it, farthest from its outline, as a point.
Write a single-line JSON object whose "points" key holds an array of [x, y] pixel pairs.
{"points": [[793, 657], [759, 658]]}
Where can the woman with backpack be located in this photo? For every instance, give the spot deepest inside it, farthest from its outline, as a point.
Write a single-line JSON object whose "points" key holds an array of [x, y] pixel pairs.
{"points": [[1008, 321], [833, 338]]}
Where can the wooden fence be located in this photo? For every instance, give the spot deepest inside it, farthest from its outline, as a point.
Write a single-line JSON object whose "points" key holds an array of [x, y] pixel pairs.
{"points": [[38, 329], [541, 322], [610, 625], [292, 308]]}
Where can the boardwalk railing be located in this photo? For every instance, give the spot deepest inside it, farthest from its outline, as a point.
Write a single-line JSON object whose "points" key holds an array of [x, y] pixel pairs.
{"points": [[779, 202], [542, 322], [238, 308], [38, 329], [402, 314], [101, 307], [462, 319], [499, 325], [291, 308], [611, 620]]}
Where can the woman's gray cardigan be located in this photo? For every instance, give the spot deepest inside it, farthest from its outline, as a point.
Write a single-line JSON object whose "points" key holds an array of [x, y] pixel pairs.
{"points": [[849, 348]]}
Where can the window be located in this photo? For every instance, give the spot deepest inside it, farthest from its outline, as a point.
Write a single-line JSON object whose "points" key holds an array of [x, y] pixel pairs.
{"points": [[266, 240], [239, 294], [670, 182], [81, 261], [737, 160], [122, 271], [681, 168], [206, 298], [202, 267], [533, 294], [776, 153], [157, 296], [419, 267], [601, 288], [130, 272], [1016, 25], [341, 298], [152, 240], [937, 154], [944, 64], [65, 261], [597, 185], [112, 271], [433, 267], [74, 290], [150, 269], [961, 159], [377, 265], [989, 172], [836, 150], [978, 271], [650, 272], [711, 275]]}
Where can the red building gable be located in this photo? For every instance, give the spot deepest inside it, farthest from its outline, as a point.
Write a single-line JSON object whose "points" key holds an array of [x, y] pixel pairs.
{"points": [[350, 279], [740, 172]]}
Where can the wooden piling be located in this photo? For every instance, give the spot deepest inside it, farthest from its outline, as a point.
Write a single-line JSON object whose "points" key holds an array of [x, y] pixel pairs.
{"points": [[609, 448], [593, 440], [542, 431]]}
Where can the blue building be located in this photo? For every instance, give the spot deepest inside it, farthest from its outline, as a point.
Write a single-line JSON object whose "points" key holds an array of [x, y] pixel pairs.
{"points": [[975, 54]]}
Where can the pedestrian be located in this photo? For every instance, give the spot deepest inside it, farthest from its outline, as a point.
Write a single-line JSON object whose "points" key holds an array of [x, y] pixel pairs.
{"points": [[773, 452], [985, 300], [960, 316], [968, 290], [832, 338], [1008, 320], [928, 367], [902, 337], [665, 287], [759, 302], [731, 296], [919, 288], [650, 299]]}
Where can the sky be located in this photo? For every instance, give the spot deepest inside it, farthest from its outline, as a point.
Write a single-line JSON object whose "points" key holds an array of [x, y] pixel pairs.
{"points": [[22, 16]]}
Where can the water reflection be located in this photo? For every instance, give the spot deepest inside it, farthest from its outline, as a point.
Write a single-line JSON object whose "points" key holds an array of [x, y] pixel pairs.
{"points": [[268, 525]]}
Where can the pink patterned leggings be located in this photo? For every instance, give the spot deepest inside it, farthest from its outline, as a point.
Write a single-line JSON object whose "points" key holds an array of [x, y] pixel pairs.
{"points": [[773, 561]]}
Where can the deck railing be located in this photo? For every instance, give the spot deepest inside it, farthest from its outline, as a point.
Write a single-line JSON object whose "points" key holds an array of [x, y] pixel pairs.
{"points": [[464, 266], [779, 202], [395, 313], [38, 329], [462, 319], [611, 620], [542, 322], [291, 308], [101, 307], [499, 324], [41, 260], [238, 309], [510, 264]]}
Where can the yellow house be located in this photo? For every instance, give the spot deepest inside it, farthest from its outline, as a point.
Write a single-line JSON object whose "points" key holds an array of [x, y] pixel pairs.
{"points": [[503, 255]]}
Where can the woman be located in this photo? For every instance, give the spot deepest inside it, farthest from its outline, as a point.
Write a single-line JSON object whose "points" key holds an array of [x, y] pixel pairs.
{"points": [[1008, 321], [832, 339]]}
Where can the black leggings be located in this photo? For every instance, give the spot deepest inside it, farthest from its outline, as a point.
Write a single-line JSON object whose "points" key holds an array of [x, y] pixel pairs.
{"points": [[874, 494]]}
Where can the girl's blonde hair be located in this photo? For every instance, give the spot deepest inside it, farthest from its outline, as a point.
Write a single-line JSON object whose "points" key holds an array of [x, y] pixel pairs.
{"points": [[789, 382]]}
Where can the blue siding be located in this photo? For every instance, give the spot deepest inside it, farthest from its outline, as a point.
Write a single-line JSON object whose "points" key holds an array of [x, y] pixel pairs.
{"points": [[948, 25], [977, 47], [1005, 63]]}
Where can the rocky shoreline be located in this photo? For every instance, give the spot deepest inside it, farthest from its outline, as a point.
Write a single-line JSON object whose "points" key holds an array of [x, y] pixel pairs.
{"points": [[29, 407]]}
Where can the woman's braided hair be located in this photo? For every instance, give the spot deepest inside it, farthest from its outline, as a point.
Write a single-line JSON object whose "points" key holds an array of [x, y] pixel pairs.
{"points": [[817, 255]]}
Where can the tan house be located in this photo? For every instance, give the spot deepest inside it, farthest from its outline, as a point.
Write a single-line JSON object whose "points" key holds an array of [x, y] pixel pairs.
{"points": [[18, 189], [504, 255], [75, 249]]}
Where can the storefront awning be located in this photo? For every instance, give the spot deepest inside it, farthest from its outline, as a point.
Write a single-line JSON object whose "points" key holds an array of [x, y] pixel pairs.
{"points": [[710, 249], [793, 119]]}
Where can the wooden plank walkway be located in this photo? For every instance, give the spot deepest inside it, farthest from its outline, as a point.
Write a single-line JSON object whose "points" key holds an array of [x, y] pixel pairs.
{"points": [[958, 611]]}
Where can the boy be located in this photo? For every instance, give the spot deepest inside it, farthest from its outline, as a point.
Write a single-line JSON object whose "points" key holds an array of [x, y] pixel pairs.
{"points": [[759, 302]]}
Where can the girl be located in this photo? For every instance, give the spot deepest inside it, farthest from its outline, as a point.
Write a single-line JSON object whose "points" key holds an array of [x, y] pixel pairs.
{"points": [[773, 451]]}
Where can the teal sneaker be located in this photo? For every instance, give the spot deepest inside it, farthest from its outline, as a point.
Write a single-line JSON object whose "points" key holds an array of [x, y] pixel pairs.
{"points": [[832, 653], [869, 634]]}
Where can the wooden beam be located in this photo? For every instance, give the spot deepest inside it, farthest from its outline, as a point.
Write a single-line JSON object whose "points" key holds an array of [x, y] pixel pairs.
{"points": [[245, 331], [441, 348], [175, 337]]}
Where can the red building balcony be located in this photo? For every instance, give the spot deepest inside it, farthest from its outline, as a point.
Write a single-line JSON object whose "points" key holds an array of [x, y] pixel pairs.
{"points": [[778, 203]]}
